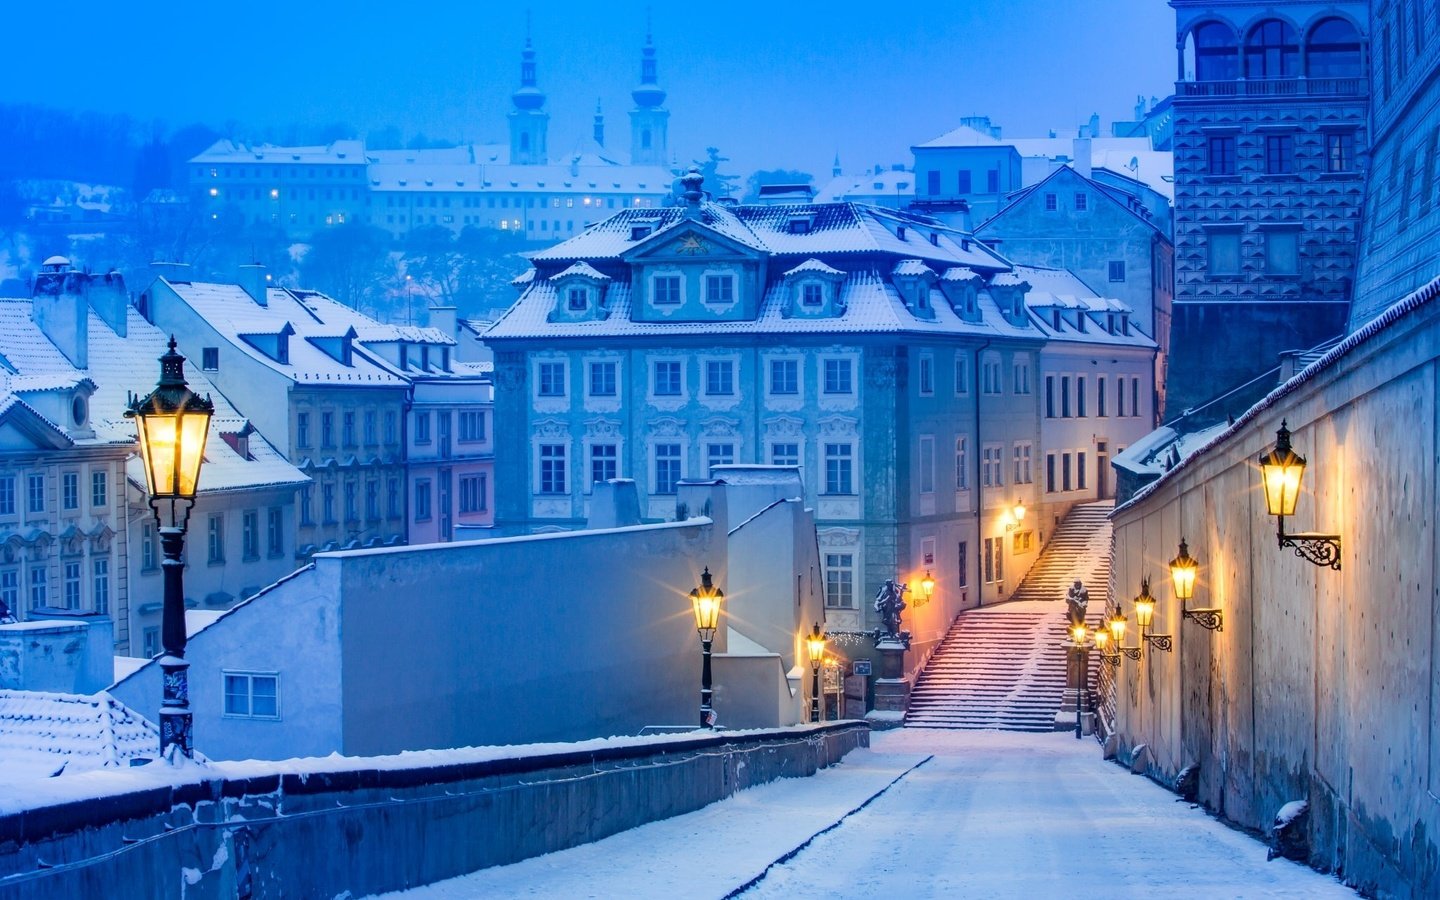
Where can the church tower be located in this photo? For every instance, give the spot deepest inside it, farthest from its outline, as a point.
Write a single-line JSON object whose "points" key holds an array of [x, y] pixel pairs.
{"points": [[528, 120], [649, 118]]}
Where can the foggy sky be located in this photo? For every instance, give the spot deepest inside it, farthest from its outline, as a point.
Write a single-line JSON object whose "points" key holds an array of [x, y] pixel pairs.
{"points": [[772, 83]]}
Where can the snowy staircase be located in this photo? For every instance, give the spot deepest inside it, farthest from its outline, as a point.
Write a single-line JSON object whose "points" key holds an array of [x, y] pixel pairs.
{"points": [[1079, 548], [1002, 667]]}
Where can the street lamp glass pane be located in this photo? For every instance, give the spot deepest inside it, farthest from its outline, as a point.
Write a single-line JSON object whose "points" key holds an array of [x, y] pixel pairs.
{"points": [[1183, 574], [158, 435], [194, 428]]}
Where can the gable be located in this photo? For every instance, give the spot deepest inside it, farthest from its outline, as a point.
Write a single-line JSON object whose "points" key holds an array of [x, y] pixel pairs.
{"points": [[23, 429], [691, 241]]}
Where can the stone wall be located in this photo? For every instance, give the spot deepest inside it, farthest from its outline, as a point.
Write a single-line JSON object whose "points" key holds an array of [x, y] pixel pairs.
{"points": [[1323, 684], [354, 832]]}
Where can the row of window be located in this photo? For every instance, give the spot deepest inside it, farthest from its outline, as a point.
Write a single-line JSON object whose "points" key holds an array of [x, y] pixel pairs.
{"points": [[1280, 247], [351, 491], [279, 171], [1272, 50], [349, 437], [992, 464], [473, 496], [70, 492], [1066, 396], [1067, 471], [471, 421], [215, 538], [668, 458], [667, 378], [73, 574], [964, 182], [1278, 153]]}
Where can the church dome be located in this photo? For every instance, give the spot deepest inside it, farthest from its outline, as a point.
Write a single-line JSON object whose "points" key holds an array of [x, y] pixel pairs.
{"points": [[528, 97], [648, 96]]}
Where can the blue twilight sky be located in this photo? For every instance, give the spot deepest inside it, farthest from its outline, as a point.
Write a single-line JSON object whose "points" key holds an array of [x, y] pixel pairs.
{"points": [[772, 84]]}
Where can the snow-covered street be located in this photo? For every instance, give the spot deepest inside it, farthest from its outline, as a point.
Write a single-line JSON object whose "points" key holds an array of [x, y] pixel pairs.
{"points": [[923, 814]]}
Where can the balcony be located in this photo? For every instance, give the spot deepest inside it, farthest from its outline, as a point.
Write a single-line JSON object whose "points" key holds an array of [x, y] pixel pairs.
{"points": [[1271, 87]]}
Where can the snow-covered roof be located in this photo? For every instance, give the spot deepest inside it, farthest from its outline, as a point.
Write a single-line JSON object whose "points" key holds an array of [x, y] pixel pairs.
{"points": [[580, 269], [1107, 193], [815, 266], [40, 732], [889, 183], [965, 136], [314, 319], [1129, 156], [232, 152], [870, 305], [832, 228]]}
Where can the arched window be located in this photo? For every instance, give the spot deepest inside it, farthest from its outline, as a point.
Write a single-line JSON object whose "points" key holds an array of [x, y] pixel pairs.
{"points": [[1217, 58], [1333, 50], [1272, 51]]}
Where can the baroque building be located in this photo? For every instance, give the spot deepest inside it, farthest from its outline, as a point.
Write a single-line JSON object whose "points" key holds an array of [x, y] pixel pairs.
{"points": [[1270, 146], [392, 429], [525, 185], [909, 372]]}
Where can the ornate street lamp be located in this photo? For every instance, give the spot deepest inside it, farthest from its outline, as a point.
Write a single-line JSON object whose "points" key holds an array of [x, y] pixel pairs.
{"points": [[1145, 614], [1183, 569], [1081, 667], [1117, 633], [1280, 472], [1102, 643], [1017, 515], [815, 644], [705, 600], [173, 423]]}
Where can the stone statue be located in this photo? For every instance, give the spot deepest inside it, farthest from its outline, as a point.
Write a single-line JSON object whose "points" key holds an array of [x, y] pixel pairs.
{"points": [[889, 603], [1076, 599]]}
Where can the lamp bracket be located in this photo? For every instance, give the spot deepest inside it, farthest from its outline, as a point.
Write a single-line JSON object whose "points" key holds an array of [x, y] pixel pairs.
{"points": [[1160, 642], [1132, 653], [1111, 658], [1211, 618], [1314, 547]]}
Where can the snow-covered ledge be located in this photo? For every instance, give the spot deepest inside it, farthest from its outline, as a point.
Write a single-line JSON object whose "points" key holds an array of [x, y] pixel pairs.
{"points": [[326, 825]]}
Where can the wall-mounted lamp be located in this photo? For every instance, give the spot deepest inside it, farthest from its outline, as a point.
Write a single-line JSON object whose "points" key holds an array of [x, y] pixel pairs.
{"points": [[1102, 643], [921, 590], [1145, 614], [1182, 573], [1017, 515], [1280, 471], [1117, 634]]}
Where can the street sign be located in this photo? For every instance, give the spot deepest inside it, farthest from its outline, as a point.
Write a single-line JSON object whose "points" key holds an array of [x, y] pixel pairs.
{"points": [[861, 667]]}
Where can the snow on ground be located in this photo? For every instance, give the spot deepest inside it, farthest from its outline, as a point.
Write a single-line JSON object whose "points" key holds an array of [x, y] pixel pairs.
{"points": [[983, 814]]}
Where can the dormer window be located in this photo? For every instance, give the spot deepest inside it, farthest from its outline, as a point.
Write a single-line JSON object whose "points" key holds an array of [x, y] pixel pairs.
{"points": [[577, 299], [801, 224], [935, 238], [812, 294], [1110, 322], [720, 289], [1055, 319], [639, 232], [900, 232]]}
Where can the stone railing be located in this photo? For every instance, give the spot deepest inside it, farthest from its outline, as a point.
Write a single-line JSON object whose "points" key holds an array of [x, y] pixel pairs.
{"points": [[1272, 87], [307, 829]]}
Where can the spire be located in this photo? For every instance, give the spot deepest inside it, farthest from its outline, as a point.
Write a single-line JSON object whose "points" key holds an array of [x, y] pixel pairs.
{"points": [[529, 96], [648, 95], [599, 123], [835, 170]]}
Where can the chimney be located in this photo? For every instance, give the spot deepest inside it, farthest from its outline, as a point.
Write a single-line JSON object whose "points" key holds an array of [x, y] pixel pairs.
{"points": [[253, 280], [64, 318], [445, 319], [110, 301], [170, 271], [694, 192], [1081, 153]]}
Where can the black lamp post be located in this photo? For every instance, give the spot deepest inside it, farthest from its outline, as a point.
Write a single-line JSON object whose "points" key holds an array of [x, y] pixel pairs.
{"points": [[173, 423], [705, 601], [1078, 633], [815, 644]]}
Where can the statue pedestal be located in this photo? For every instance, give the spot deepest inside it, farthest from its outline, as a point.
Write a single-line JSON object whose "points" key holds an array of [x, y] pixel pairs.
{"points": [[892, 688]]}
